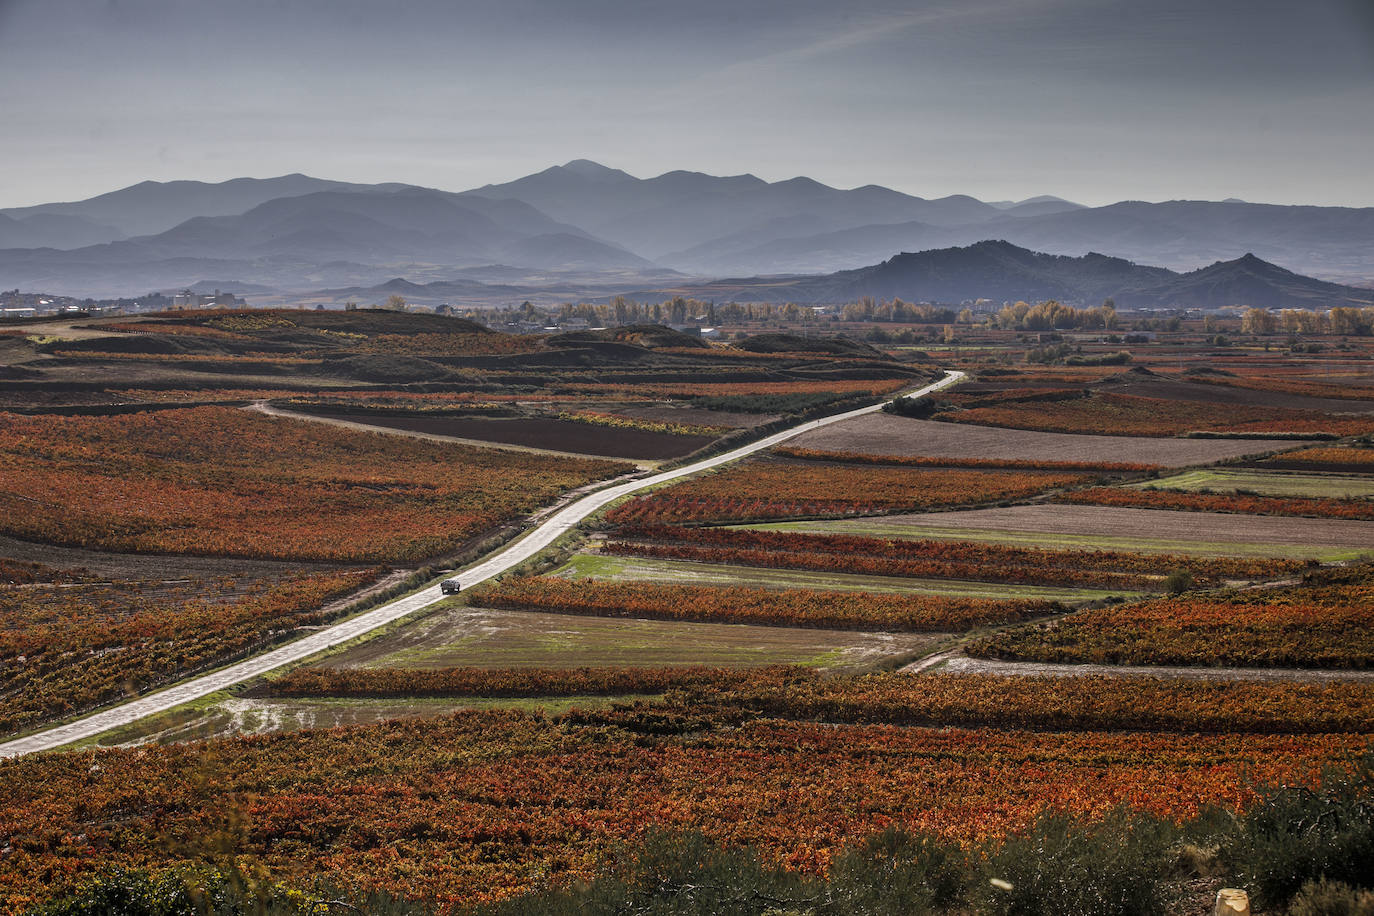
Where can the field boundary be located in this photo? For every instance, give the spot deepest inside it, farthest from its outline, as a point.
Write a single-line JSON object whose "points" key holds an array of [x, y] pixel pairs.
{"points": [[505, 558]]}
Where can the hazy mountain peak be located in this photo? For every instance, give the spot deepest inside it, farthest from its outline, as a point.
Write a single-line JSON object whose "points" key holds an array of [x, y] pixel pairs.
{"points": [[586, 168]]}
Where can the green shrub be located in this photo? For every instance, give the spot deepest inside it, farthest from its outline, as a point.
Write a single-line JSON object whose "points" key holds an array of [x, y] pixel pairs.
{"points": [[1178, 581], [1293, 835], [171, 893], [897, 872], [682, 874], [1331, 898], [1064, 866]]}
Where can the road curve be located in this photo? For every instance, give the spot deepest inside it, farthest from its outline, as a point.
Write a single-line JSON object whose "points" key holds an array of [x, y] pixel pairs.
{"points": [[511, 555]]}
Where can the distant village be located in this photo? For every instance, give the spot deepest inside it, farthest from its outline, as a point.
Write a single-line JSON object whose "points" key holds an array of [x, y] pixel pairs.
{"points": [[16, 304]]}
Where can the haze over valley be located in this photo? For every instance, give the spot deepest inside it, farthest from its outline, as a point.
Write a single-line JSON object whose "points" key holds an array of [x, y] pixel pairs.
{"points": [[588, 230]]}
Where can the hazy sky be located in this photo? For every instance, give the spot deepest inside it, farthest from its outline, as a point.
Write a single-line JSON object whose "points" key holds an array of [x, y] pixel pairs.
{"points": [[1095, 100]]}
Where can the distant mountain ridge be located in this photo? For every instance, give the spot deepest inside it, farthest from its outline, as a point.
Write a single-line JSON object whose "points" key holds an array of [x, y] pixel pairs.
{"points": [[1001, 271], [295, 232]]}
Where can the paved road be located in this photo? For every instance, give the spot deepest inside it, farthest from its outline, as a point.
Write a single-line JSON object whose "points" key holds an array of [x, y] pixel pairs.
{"points": [[513, 554]]}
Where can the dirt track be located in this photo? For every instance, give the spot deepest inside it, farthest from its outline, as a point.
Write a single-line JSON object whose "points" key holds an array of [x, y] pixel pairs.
{"points": [[517, 552]]}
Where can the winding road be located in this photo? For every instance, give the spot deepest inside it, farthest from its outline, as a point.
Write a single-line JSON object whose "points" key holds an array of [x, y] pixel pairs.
{"points": [[513, 554]]}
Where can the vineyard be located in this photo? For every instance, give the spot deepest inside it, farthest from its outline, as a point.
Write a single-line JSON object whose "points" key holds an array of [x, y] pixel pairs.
{"points": [[1128, 415], [1320, 457], [1298, 506], [790, 654], [481, 805], [752, 388], [1325, 624], [919, 461], [939, 559], [484, 805], [507, 682], [65, 649], [1096, 703], [216, 481], [793, 607], [772, 489], [1055, 704]]}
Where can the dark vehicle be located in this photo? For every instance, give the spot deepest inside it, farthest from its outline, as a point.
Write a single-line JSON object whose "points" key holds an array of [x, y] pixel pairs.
{"points": [[450, 586]]}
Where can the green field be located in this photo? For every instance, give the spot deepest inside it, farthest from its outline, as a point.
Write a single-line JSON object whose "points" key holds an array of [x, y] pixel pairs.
{"points": [[641, 569], [1268, 483], [891, 527], [461, 636]]}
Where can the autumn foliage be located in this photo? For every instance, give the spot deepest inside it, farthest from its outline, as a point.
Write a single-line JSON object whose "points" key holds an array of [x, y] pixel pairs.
{"points": [[65, 647], [482, 805], [793, 607], [1327, 625], [505, 682], [1299, 506], [915, 461], [1058, 703], [939, 559], [1129, 415], [772, 489], [223, 482]]}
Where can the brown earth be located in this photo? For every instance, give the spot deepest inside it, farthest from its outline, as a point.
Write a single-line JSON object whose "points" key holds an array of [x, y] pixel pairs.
{"points": [[1171, 390], [1108, 521], [541, 432], [885, 434], [692, 416]]}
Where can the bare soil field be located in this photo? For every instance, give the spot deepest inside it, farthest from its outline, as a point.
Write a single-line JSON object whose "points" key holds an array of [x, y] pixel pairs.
{"points": [[1169, 389], [544, 433], [479, 637], [885, 434], [1105, 527], [696, 416]]}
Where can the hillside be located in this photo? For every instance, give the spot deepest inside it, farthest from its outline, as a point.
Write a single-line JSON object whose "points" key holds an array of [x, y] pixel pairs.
{"points": [[597, 223], [1001, 271]]}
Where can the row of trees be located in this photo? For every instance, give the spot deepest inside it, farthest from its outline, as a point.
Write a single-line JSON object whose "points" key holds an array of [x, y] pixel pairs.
{"points": [[1342, 320]]}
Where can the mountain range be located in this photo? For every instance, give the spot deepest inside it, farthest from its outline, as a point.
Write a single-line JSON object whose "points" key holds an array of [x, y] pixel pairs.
{"points": [[586, 221], [1001, 271], [994, 270]]}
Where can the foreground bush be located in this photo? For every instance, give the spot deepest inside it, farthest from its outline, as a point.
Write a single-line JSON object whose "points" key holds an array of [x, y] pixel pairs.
{"points": [[1064, 867], [1294, 835]]}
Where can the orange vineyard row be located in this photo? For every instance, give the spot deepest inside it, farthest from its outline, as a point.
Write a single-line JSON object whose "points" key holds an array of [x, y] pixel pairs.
{"points": [[1299, 506], [64, 649], [1128, 415], [504, 682], [793, 607], [217, 481], [482, 805], [808, 454], [1327, 625], [936, 558], [772, 489]]}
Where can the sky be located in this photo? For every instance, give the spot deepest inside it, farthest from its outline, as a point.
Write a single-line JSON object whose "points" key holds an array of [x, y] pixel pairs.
{"points": [[1092, 100]]}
